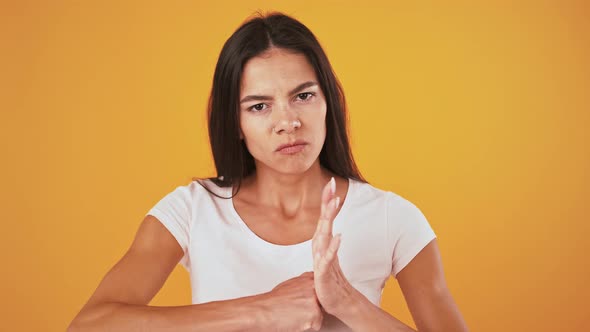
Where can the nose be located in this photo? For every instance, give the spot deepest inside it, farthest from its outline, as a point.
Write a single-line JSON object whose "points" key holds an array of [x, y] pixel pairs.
{"points": [[287, 127], [287, 121]]}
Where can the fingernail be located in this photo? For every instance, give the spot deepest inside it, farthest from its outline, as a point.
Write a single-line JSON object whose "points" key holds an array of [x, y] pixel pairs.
{"points": [[337, 202], [333, 185]]}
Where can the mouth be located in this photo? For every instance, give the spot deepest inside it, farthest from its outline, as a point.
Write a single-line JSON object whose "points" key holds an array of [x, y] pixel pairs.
{"points": [[293, 147]]}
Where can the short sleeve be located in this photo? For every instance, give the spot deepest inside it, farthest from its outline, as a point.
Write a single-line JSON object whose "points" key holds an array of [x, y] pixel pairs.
{"points": [[408, 231], [174, 212]]}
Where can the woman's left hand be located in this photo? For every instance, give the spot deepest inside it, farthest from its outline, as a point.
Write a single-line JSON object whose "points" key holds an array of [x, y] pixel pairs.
{"points": [[332, 289]]}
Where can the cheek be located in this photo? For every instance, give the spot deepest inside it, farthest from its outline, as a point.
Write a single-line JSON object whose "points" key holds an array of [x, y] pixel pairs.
{"points": [[245, 127], [319, 122], [253, 131]]}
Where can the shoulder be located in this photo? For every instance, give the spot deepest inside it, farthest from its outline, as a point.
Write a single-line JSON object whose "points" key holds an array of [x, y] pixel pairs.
{"points": [[184, 199], [401, 214], [197, 189], [397, 211], [363, 193], [392, 201]]}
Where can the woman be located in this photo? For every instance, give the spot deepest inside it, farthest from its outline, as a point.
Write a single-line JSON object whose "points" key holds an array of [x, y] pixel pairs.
{"points": [[258, 239]]}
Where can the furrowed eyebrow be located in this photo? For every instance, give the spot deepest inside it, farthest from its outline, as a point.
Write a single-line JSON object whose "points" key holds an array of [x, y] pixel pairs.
{"points": [[303, 86], [263, 98]]}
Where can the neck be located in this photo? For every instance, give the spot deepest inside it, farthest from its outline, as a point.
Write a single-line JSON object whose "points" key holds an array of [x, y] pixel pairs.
{"points": [[288, 193]]}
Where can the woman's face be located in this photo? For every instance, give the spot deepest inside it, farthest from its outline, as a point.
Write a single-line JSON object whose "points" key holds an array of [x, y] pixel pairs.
{"points": [[279, 90]]}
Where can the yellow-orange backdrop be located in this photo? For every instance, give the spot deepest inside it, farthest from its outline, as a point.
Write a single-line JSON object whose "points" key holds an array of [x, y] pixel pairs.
{"points": [[476, 112]]}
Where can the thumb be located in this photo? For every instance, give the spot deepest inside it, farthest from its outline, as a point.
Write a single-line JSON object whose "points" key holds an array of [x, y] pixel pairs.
{"points": [[308, 273]]}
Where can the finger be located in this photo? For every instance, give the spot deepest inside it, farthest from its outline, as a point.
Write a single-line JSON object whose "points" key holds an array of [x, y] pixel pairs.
{"points": [[333, 248], [328, 214], [318, 242], [323, 234], [323, 231], [330, 254], [324, 225], [328, 221], [316, 262], [317, 324], [329, 190], [327, 193]]}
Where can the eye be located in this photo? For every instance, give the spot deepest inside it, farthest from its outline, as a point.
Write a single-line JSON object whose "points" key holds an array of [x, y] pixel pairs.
{"points": [[305, 96], [257, 108]]}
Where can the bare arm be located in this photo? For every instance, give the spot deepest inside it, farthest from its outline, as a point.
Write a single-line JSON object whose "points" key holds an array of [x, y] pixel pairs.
{"points": [[425, 290], [120, 301]]}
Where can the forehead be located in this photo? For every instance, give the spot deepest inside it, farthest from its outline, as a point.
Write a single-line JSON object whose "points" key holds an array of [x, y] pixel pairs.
{"points": [[276, 69]]}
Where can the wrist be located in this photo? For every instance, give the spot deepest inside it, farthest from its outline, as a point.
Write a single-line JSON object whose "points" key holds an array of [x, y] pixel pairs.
{"points": [[351, 307], [261, 311]]}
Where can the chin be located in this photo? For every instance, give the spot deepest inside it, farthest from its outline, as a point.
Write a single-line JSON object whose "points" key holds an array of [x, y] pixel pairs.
{"points": [[302, 166], [290, 166]]}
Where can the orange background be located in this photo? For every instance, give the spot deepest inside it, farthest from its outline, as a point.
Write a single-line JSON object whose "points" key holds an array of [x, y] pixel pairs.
{"points": [[476, 112]]}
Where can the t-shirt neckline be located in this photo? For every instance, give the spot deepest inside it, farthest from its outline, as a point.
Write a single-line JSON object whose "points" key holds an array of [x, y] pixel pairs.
{"points": [[307, 243]]}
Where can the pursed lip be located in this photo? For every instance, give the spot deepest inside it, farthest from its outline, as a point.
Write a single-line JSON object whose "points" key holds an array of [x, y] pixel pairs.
{"points": [[297, 142]]}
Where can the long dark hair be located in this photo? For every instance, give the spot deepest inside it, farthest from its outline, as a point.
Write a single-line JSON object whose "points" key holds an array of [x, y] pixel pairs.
{"points": [[233, 161]]}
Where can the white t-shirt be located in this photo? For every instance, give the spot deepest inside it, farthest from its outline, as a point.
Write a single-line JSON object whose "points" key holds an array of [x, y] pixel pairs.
{"points": [[381, 233]]}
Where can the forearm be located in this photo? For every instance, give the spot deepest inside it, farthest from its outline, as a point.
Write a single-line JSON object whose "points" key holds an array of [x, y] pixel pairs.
{"points": [[360, 314], [243, 314]]}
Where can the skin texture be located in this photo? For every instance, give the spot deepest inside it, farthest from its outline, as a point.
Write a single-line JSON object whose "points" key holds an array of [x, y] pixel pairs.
{"points": [[331, 286], [288, 183], [274, 74], [266, 122], [300, 203], [421, 281]]}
